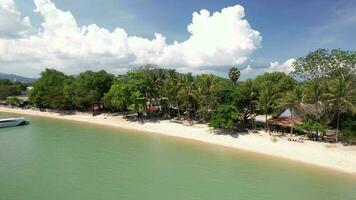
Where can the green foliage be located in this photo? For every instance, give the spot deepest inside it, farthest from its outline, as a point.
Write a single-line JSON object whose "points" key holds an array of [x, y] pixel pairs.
{"points": [[267, 102], [245, 98], [340, 94], [310, 126], [225, 117], [278, 82], [293, 101], [118, 96], [9, 88], [187, 94], [48, 90], [274, 139], [349, 132], [88, 88], [324, 64], [171, 86], [329, 84], [207, 89], [13, 101], [330, 77], [234, 74]]}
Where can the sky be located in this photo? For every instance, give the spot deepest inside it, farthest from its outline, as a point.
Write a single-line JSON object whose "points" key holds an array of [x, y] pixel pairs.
{"points": [[199, 36]]}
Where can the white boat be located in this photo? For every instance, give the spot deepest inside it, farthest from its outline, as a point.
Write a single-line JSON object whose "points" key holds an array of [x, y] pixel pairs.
{"points": [[9, 122]]}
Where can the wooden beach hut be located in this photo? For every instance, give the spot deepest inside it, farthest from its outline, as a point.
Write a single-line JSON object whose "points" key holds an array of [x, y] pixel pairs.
{"points": [[283, 122]]}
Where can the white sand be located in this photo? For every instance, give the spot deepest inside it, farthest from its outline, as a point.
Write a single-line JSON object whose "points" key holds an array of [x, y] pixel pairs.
{"points": [[334, 156]]}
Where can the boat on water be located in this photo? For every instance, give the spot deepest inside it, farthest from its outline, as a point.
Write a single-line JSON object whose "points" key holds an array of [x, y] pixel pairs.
{"points": [[9, 122]]}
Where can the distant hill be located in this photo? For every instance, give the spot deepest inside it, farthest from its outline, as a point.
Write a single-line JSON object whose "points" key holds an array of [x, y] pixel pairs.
{"points": [[14, 77]]}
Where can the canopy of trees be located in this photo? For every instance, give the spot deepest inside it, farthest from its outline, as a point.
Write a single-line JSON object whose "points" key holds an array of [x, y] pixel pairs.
{"points": [[9, 88], [325, 79]]}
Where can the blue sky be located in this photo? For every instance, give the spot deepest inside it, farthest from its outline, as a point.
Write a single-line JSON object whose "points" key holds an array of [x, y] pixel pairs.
{"points": [[289, 29]]}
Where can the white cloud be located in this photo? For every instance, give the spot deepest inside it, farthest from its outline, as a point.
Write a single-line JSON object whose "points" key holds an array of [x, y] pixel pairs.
{"points": [[11, 22], [247, 69], [286, 67], [217, 39], [223, 38]]}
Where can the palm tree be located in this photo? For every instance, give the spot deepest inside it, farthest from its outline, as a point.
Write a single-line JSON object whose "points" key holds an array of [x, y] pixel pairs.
{"points": [[248, 94], [340, 95], [206, 87], [171, 89], [267, 103], [234, 74], [314, 94], [293, 101], [187, 93]]}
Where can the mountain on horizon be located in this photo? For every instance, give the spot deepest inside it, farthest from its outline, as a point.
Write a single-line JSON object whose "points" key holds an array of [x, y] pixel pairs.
{"points": [[14, 77]]}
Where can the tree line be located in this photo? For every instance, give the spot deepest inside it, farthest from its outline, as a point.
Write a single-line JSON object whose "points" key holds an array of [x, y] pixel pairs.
{"points": [[9, 88], [324, 79]]}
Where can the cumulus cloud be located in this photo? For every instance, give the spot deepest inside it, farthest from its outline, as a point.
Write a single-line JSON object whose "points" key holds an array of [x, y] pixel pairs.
{"points": [[12, 24], [221, 38], [217, 39], [286, 67], [247, 69]]}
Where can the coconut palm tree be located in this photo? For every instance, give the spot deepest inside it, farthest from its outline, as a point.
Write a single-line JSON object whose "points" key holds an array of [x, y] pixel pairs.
{"points": [[315, 95], [171, 88], [293, 101], [187, 93], [339, 94], [267, 103], [206, 87], [247, 95]]}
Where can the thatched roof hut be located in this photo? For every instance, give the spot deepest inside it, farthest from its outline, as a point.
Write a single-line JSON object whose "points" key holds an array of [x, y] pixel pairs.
{"points": [[285, 122]]}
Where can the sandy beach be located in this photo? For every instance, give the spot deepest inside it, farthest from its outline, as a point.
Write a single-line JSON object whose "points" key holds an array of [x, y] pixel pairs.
{"points": [[333, 156]]}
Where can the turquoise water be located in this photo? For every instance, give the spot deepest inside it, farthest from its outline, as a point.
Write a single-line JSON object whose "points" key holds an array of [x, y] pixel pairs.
{"points": [[55, 159]]}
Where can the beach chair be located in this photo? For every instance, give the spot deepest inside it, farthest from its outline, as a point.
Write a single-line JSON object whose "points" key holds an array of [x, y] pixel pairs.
{"points": [[296, 139]]}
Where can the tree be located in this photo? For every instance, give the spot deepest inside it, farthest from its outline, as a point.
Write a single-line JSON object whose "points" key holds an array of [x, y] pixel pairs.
{"points": [[267, 102], [207, 87], [314, 95], [340, 95], [14, 101], [342, 64], [310, 125], [270, 86], [224, 117], [293, 101], [349, 131], [118, 96], [312, 67], [234, 74], [246, 97], [9, 88], [279, 82], [187, 94], [88, 88], [48, 90], [171, 88], [324, 64]]}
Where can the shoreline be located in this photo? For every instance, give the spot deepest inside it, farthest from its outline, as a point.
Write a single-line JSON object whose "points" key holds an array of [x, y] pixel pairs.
{"points": [[332, 156]]}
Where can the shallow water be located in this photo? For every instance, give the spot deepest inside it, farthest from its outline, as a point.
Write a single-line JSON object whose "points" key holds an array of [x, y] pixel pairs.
{"points": [[56, 159]]}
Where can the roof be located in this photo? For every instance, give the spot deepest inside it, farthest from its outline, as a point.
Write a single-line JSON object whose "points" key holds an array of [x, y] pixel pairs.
{"points": [[309, 109], [284, 121]]}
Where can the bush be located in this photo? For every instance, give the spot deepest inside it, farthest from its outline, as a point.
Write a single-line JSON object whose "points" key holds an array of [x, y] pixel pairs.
{"points": [[13, 101], [224, 117], [274, 139], [349, 132]]}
